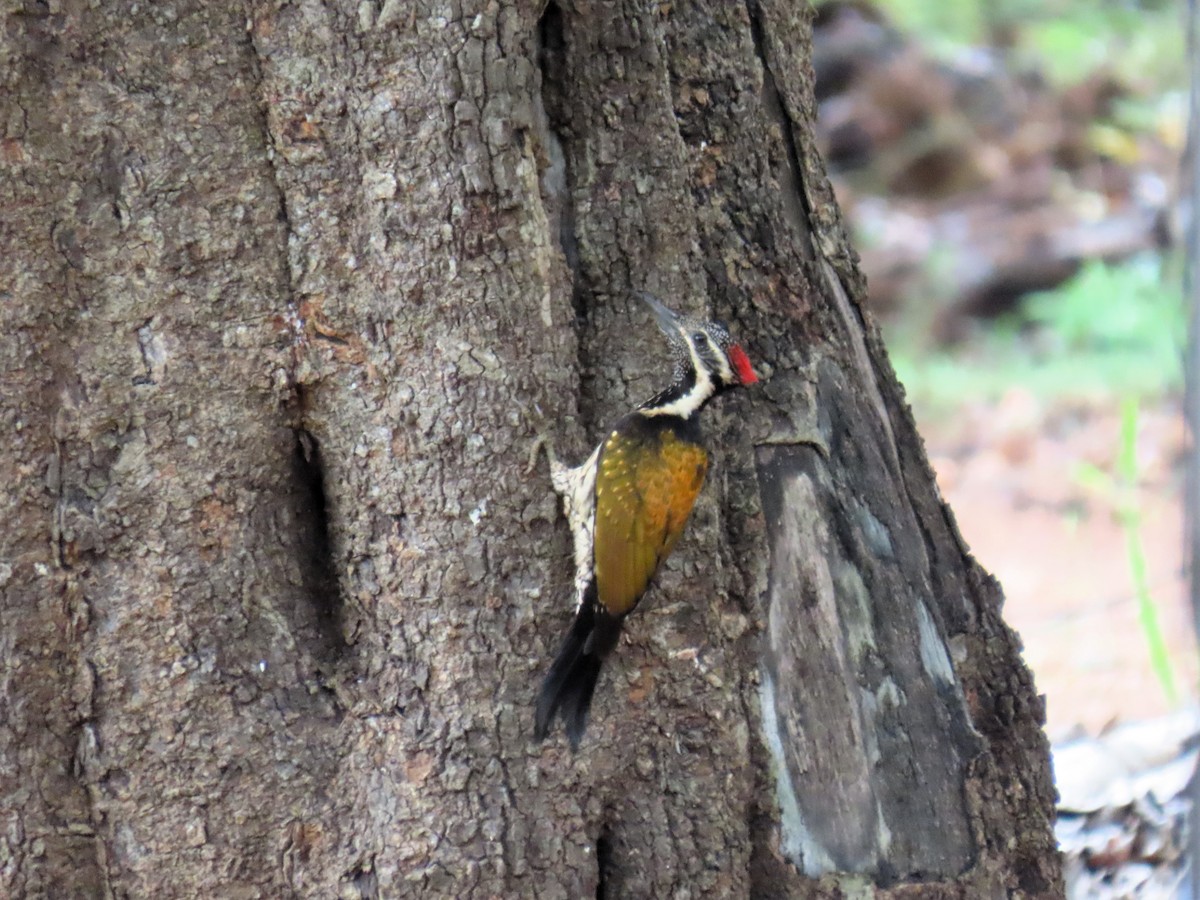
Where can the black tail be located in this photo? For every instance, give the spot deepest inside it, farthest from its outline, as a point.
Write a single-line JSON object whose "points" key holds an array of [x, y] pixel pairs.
{"points": [[568, 687]]}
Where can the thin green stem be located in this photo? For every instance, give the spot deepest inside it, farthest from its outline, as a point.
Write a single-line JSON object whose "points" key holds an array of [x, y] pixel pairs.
{"points": [[1131, 522]]}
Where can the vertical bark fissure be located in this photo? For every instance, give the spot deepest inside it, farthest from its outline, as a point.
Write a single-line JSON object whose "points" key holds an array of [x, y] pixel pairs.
{"points": [[54, 479], [795, 200], [798, 208], [86, 762], [66, 482], [855, 327], [295, 318], [558, 178], [604, 862], [84, 766], [322, 586], [321, 582]]}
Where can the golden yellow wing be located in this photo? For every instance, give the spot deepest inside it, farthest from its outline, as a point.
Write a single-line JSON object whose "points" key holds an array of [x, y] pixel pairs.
{"points": [[645, 489]]}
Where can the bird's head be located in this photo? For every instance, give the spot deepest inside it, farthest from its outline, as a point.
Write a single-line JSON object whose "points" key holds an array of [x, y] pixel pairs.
{"points": [[703, 347]]}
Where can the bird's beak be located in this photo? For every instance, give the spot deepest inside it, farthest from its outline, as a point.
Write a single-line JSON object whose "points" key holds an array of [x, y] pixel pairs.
{"points": [[667, 320]]}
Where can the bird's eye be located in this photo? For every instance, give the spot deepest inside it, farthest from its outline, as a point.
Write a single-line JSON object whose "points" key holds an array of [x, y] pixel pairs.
{"points": [[698, 337]]}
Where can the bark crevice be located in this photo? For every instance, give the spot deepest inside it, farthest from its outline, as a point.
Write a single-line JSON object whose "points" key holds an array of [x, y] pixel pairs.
{"points": [[791, 175], [604, 862], [557, 177], [295, 315], [320, 581], [798, 210]]}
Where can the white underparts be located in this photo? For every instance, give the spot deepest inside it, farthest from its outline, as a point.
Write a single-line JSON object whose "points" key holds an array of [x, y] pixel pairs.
{"points": [[577, 487]]}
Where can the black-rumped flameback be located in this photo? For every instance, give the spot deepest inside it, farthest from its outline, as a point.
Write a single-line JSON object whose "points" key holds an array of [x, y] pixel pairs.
{"points": [[627, 505]]}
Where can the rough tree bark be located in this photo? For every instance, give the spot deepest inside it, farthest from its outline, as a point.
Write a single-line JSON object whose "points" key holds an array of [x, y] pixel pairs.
{"points": [[280, 286]]}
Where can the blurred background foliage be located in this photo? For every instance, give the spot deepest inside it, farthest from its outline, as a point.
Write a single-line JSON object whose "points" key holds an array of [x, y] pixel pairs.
{"points": [[1114, 330], [1067, 40], [1009, 170]]}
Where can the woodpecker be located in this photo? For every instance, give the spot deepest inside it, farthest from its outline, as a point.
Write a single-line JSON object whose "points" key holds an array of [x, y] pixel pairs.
{"points": [[627, 505]]}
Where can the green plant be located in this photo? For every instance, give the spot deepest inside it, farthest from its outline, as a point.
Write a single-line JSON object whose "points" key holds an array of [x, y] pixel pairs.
{"points": [[1121, 490], [1118, 316], [1066, 39], [1112, 331]]}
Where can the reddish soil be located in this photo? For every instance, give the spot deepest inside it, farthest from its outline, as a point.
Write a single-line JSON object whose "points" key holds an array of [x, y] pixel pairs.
{"points": [[1056, 543]]}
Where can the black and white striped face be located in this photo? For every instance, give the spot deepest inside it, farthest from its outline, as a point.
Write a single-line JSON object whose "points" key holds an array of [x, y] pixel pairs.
{"points": [[709, 347], [707, 361]]}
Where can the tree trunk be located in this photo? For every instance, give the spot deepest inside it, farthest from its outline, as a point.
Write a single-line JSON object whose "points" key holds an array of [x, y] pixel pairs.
{"points": [[284, 290]]}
